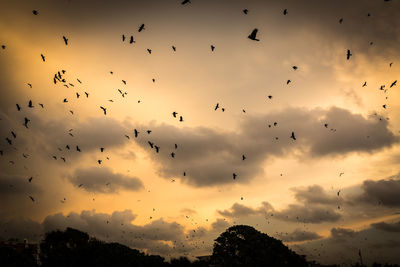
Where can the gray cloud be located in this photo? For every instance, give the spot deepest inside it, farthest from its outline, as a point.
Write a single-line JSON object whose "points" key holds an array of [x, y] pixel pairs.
{"points": [[308, 214], [103, 180], [220, 225], [209, 157], [239, 210], [384, 192], [388, 227], [342, 234], [16, 184], [299, 235]]}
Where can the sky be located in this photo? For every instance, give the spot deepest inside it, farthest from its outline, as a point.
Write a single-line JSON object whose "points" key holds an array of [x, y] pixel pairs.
{"points": [[328, 193]]}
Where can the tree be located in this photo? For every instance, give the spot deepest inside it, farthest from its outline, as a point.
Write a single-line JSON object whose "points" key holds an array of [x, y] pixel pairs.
{"points": [[243, 245]]}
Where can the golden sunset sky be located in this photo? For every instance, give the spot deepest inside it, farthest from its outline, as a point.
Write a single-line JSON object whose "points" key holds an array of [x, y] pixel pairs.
{"points": [[327, 194]]}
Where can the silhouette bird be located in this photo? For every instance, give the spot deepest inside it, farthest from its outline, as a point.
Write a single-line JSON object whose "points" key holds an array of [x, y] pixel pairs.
{"points": [[78, 149], [87, 95], [293, 136], [157, 149], [30, 179], [9, 141], [288, 81], [30, 105], [77, 95], [131, 41], [67, 147], [253, 35], [326, 125], [123, 38], [390, 64], [35, 12], [33, 200], [270, 96], [141, 28], [99, 161], [151, 144], [245, 11], [43, 58], [63, 159], [104, 110], [124, 82], [365, 84], [348, 55], [174, 48], [216, 106], [149, 50], [180, 118], [65, 100], [26, 122], [393, 83], [295, 67], [101, 149], [234, 175], [18, 107], [65, 40], [184, 2], [285, 12], [176, 146], [3, 46], [148, 131], [174, 114], [384, 106], [136, 133], [243, 157], [173, 154], [212, 48], [340, 20], [30, 85], [13, 134]]}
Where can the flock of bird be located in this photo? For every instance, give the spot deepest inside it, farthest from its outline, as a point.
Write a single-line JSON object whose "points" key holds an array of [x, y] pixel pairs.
{"points": [[59, 78]]}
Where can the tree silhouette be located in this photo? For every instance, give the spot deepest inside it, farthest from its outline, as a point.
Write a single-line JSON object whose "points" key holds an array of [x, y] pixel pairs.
{"points": [[243, 245]]}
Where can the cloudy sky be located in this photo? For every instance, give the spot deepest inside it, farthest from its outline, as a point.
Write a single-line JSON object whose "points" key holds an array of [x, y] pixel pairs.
{"points": [[333, 190]]}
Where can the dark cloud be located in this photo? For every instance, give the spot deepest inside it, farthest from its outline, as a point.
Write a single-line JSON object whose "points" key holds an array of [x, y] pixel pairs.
{"points": [[342, 234], [308, 214], [314, 194], [388, 227], [210, 157], [103, 180], [220, 225], [299, 235], [238, 210], [16, 184], [384, 192]]}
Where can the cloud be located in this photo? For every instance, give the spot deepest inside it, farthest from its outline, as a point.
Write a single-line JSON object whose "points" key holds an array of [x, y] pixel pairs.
{"points": [[342, 234], [238, 210], [387, 227], [16, 184], [308, 214], [384, 192], [314, 194], [210, 157], [103, 180], [299, 235], [220, 225]]}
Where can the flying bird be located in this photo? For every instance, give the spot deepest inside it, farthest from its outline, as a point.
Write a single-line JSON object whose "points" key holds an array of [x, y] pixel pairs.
{"points": [[295, 67], [151, 144], [243, 157], [216, 106], [174, 48], [245, 11], [18, 107], [253, 35], [78, 149], [123, 38], [234, 175], [141, 28], [43, 58], [340, 20], [212, 48], [30, 179], [285, 12], [101, 149], [131, 41], [30, 105], [365, 84], [393, 83], [184, 2], [180, 118], [33, 200], [288, 81], [149, 50], [173, 154], [157, 149], [26, 122], [65, 40], [293, 136], [174, 114], [104, 110], [348, 55], [136, 133], [35, 12]]}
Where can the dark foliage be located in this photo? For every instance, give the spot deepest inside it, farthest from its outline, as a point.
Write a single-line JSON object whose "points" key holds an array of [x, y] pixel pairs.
{"points": [[11, 257], [243, 245]]}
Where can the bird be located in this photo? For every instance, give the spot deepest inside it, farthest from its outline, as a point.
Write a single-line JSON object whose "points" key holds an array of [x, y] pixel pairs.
{"points": [[30, 105], [384, 106], [243, 157], [67, 147], [43, 58], [124, 82], [154, 80], [234, 175], [365, 84], [295, 67], [13, 134], [176, 146], [77, 95], [141, 28], [30, 85], [131, 41], [338, 192], [270, 96], [87, 95], [78, 149], [9, 141], [393, 84], [174, 48], [348, 55], [101, 149], [212, 48], [99, 161], [149, 50], [3, 46], [41, 105], [340, 20], [157, 148], [26, 122], [33, 200], [184, 2], [104, 110], [65, 40], [293, 136], [148, 131], [288, 81], [18, 107], [340, 174], [174, 114], [123, 38], [136, 133], [253, 35], [326, 125], [65, 100], [78, 80], [63, 159], [216, 106], [173, 154], [151, 144], [180, 118], [390, 64], [245, 11], [35, 12], [285, 12]]}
